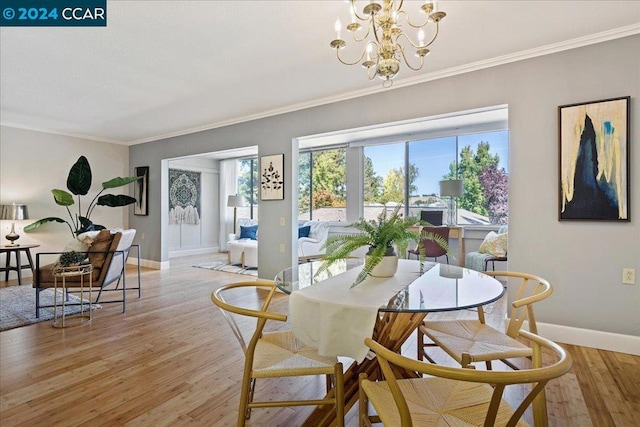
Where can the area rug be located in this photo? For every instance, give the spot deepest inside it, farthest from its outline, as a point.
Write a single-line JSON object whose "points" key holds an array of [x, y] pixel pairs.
{"points": [[18, 306], [229, 268]]}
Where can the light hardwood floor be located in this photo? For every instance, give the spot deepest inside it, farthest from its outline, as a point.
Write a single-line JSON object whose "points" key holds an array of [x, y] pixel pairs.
{"points": [[171, 360]]}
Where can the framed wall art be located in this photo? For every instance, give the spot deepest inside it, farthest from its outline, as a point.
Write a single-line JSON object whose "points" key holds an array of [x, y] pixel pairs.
{"points": [[272, 177], [141, 191], [594, 160]]}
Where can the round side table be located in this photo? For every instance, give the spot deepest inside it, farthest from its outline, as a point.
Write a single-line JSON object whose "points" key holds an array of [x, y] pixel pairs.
{"points": [[61, 274]]}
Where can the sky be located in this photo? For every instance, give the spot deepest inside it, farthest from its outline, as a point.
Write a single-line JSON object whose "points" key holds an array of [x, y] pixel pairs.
{"points": [[433, 157]]}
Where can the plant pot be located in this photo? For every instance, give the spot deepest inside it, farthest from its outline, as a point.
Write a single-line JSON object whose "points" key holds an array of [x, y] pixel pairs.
{"points": [[388, 266]]}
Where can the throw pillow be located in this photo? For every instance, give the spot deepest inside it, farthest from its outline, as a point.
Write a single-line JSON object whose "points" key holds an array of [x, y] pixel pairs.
{"points": [[304, 231], [494, 244], [249, 232]]}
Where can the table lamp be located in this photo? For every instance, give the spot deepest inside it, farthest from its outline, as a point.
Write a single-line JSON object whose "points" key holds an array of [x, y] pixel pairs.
{"points": [[13, 212], [451, 188], [235, 201]]}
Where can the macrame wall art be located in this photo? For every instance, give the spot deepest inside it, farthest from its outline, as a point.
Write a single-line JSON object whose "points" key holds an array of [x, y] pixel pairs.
{"points": [[184, 197]]}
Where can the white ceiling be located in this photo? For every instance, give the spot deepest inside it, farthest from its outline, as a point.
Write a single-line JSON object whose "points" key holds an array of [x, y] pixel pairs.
{"points": [[164, 68]]}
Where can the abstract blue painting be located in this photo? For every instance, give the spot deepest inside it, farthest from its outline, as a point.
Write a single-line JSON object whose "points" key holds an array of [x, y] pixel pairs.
{"points": [[594, 160]]}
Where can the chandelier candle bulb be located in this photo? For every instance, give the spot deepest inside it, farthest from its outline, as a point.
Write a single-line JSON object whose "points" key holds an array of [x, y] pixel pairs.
{"points": [[337, 27]]}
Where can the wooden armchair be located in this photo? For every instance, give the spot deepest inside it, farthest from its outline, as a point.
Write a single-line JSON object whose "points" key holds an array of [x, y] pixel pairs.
{"points": [[469, 341], [108, 254], [276, 354], [459, 396]]}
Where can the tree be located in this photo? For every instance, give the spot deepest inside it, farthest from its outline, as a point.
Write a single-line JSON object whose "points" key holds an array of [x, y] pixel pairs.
{"points": [[470, 167], [393, 184], [495, 184], [393, 187], [247, 168], [372, 182], [330, 176], [304, 183]]}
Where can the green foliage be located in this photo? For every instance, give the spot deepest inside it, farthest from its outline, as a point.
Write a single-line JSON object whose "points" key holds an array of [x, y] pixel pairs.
{"points": [[372, 182], [71, 258], [79, 184], [470, 167], [380, 235]]}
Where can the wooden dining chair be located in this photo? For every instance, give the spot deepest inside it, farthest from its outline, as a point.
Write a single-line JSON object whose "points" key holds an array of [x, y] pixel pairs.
{"points": [[459, 396], [276, 354], [469, 341]]}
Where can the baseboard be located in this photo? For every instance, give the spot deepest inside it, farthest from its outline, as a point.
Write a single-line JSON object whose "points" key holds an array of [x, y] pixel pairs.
{"points": [[196, 251], [156, 265], [589, 338]]}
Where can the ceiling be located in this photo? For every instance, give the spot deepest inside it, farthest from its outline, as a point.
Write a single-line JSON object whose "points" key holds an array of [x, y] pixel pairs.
{"points": [[165, 68]]}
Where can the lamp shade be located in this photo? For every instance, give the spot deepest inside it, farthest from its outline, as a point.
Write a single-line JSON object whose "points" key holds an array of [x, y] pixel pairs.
{"points": [[235, 201], [451, 187], [14, 212]]}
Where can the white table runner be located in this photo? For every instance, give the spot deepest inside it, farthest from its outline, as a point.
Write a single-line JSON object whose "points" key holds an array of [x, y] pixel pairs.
{"points": [[335, 318]]}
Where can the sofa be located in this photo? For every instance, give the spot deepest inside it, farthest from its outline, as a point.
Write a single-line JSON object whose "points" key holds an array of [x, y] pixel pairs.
{"points": [[311, 245], [242, 246]]}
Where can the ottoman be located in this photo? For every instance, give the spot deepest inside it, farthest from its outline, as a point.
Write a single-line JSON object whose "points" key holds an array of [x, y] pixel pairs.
{"points": [[244, 252]]}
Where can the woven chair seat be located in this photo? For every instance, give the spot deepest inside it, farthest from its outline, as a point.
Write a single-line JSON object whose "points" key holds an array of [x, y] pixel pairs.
{"points": [[479, 341], [437, 402], [280, 354]]}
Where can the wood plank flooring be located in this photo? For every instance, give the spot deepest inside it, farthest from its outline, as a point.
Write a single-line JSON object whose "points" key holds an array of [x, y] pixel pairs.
{"points": [[171, 360]]}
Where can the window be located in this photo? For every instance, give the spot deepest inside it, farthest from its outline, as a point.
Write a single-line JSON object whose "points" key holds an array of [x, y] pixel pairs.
{"points": [[384, 178], [248, 187], [322, 191], [480, 160]]}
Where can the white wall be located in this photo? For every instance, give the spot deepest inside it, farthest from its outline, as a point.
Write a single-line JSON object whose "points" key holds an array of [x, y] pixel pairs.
{"points": [[34, 163], [188, 239]]}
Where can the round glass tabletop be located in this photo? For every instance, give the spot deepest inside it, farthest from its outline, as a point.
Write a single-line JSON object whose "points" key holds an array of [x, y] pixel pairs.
{"points": [[441, 287]]}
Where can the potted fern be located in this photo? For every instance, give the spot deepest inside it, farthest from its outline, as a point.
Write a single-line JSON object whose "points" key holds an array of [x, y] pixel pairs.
{"points": [[382, 236]]}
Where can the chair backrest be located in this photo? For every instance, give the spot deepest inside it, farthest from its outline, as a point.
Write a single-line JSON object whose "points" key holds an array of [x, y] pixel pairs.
{"points": [[218, 297], [538, 375], [532, 289], [118, 258], [430, 247]]}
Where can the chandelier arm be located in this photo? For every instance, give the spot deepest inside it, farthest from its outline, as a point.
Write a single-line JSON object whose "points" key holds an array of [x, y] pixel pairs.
{"points": [[363, 37], [350, 63], [434, 36], [407, 62], [355, 11], [417, 46]]}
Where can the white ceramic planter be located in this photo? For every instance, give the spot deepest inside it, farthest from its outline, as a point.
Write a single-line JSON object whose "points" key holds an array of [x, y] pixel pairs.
{"points": [[387, 267]]}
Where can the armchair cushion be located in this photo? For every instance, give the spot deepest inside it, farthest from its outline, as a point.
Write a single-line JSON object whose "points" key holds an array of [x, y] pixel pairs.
{"points": [[249, 232]]}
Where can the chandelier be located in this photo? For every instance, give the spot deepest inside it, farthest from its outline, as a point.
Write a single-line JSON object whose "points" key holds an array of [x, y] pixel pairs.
{"points": [[385, 41]]}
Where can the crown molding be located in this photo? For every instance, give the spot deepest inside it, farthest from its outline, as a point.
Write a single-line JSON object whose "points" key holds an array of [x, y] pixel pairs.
{"points": [[453, 71], [479, 65]]}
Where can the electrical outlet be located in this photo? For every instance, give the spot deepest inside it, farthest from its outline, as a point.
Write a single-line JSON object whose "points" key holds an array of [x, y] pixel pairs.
{"points": [[629, 276], [281, 248]]}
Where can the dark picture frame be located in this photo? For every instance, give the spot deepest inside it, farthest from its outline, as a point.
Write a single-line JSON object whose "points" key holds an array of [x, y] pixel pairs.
{"points": [[141, 191], [272, 177], [594, 162]]}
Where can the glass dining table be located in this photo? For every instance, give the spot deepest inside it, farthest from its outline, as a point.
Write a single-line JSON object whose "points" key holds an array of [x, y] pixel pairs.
{"points": [[427, 288]]}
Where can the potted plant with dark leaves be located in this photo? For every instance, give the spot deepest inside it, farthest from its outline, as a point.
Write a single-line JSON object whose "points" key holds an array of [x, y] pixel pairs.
{"points": [[79, 184], [383, 236]]}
